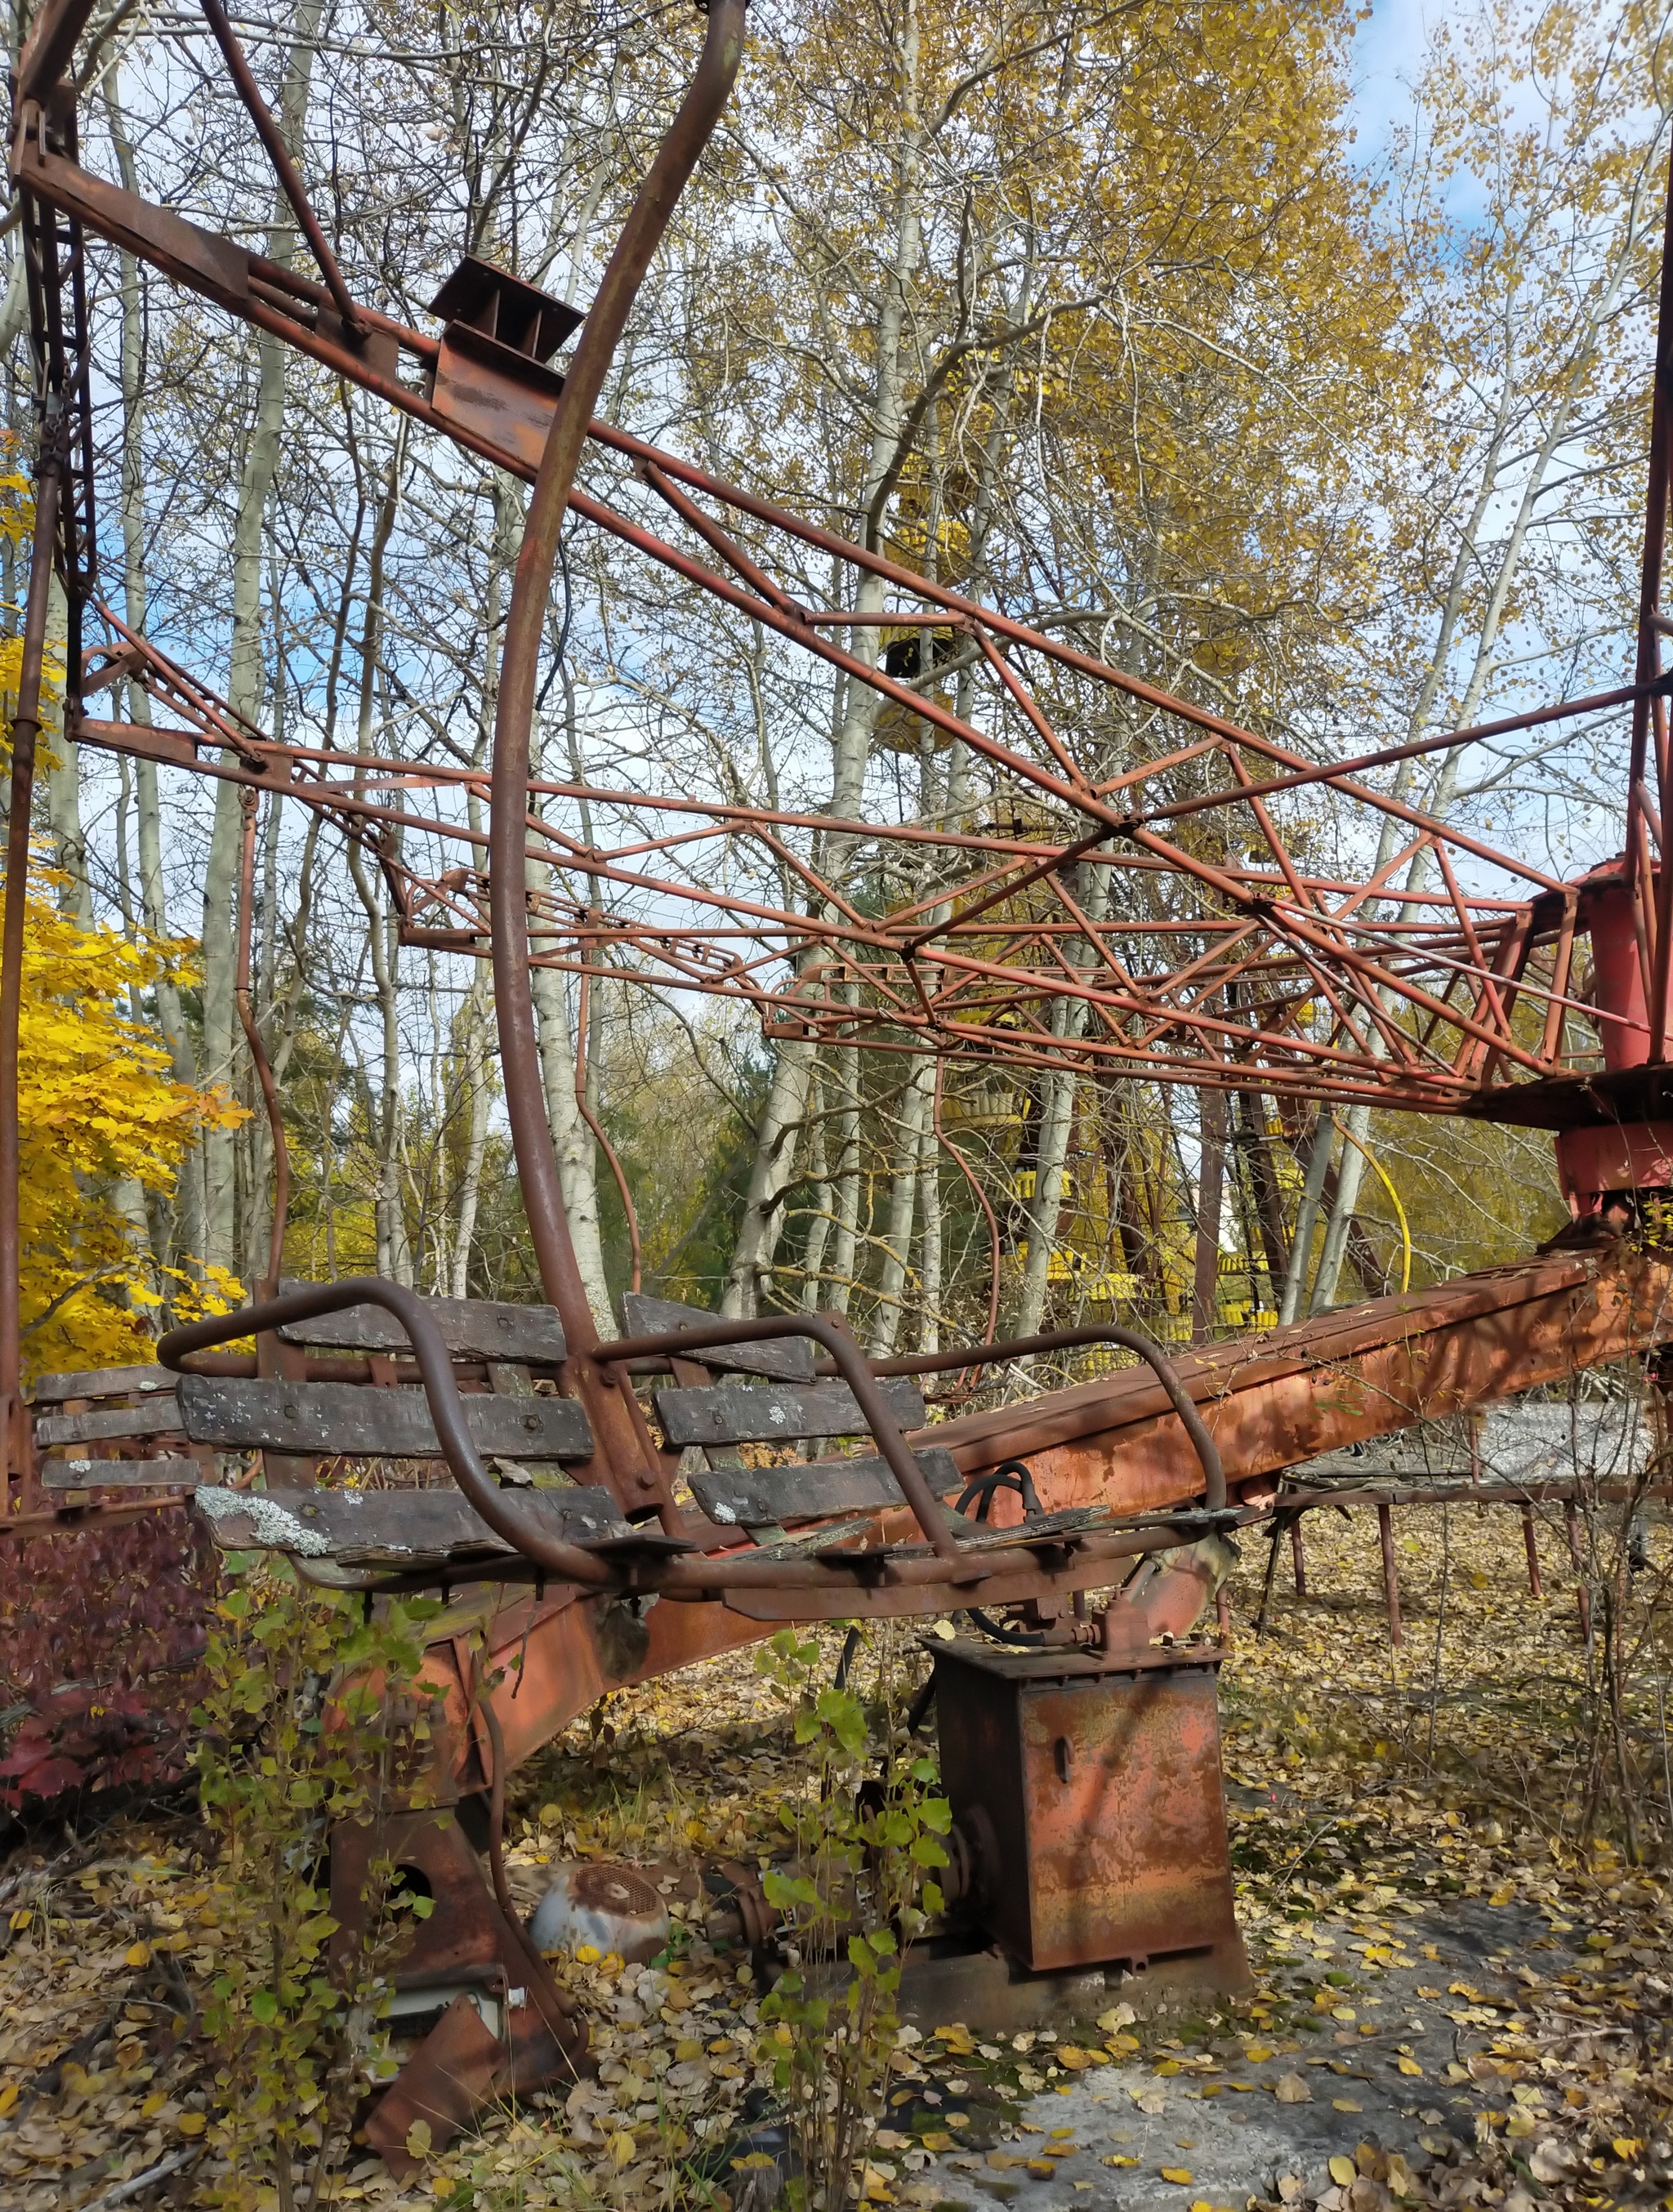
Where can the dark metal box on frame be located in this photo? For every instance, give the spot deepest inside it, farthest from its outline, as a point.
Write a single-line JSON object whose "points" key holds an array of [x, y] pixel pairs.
{"points": [[1086, 1791]]}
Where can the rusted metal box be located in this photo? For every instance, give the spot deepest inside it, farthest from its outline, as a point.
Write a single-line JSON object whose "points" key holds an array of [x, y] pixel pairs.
{"points": [[1087, 1792]]}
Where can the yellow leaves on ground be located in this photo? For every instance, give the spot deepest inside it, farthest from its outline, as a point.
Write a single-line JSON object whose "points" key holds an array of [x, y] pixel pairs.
{"points": [[1180, 2175], [1343, 2171], [100, 1108], [137, 1954]]}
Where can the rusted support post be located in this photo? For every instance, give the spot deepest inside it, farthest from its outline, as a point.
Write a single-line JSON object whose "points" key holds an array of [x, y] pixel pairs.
{"points": [[26, 733], [1391, 1573], [1531, 1542], [1571, 1514], [1298, 1557], [626, 1455]]}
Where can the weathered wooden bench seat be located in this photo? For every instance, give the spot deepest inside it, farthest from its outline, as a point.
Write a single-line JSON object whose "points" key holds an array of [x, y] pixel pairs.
{"points": [[786, 1407], [130, 1416], [349, 1538], [352, 1420]]}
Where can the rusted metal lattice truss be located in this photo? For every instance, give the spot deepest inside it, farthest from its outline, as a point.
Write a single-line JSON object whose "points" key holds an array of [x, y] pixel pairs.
{"points": [[1193, 941]]}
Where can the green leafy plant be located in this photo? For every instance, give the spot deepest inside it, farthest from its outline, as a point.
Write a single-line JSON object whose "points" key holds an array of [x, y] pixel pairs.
{"points": [[859, 1889], [316, 1714]]}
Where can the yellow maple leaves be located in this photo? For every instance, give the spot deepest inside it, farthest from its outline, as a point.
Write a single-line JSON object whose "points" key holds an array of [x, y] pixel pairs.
{"points": [[104, 1126]]}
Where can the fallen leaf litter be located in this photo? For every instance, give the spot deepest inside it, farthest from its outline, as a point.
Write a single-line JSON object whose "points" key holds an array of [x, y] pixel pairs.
{"points": [[1367, 1818]]}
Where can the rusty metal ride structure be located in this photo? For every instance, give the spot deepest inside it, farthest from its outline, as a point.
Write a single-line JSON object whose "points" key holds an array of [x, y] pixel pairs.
{"points": [[1149, 919]]}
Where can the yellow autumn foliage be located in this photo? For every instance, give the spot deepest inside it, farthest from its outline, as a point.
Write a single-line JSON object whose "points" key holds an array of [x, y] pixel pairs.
{"points": [[99, 1108]]}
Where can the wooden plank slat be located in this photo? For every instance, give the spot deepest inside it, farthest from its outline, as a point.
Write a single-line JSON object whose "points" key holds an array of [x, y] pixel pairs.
{"points": [[786, 1358], [99, 1383], [400, 1529], [309, 1420], [155, 1418], [173, 1471], [472, 1329], [745, 1413], [751, 1497]]}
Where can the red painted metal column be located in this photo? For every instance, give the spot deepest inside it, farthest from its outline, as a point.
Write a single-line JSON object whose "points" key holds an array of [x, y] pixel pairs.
{"points": [[26, 732], [624, 1447]]}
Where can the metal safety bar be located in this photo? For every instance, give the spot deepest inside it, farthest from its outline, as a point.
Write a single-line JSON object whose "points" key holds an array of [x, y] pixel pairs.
{"points": [[1068, 1340]]}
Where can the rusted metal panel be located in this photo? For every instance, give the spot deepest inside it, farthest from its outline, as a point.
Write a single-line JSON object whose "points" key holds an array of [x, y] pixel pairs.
{"points": [[471, 1329], [1329, 1382], [1089, 1801], [785, 1359], [348, 1420], [747, 1413]]}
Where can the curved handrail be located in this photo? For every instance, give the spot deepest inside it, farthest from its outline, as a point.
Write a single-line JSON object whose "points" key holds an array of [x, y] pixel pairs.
{"points": [[1066, 1340], [564, 1562], [850, 1363]]}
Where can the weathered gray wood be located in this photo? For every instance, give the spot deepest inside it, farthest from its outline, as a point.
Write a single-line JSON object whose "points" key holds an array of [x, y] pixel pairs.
{"points": [[751, 1497], [399, 1529], [745, 1413], [99, 1383], [786, 1359], [472, 1329], [358, 1421], [154, 1417], [175, 1472]]}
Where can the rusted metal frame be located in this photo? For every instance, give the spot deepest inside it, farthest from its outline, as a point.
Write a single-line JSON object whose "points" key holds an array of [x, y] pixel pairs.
{"points": [[566, 853], [1217, 981], [1384, 1091], [1625, 695], [1111, 1054], [138, 739], [1486, 995], [284, 168], [1509, 960], [619, 1424], [1032, 709], [1276, 844], [497, 1507], [1652, 816], [1003, 626], [1160, 765], [1562, 956], [1369, 1003], [927, 709], [1013, 887], [1070, 1339], [258, 1049], [1371, 971], [1653, 899], [718, 541], [26, 734], [346, 363], [50, 47]]}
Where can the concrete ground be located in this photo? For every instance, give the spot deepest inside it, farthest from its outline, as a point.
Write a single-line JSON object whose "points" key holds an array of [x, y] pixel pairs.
{"points": [[1380, 2076]]}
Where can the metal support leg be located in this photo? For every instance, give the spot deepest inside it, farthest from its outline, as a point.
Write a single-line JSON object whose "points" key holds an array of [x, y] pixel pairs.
{"points": [[1532, 1543], [1390, 1573], [26, 732], [1298, 1556]]}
